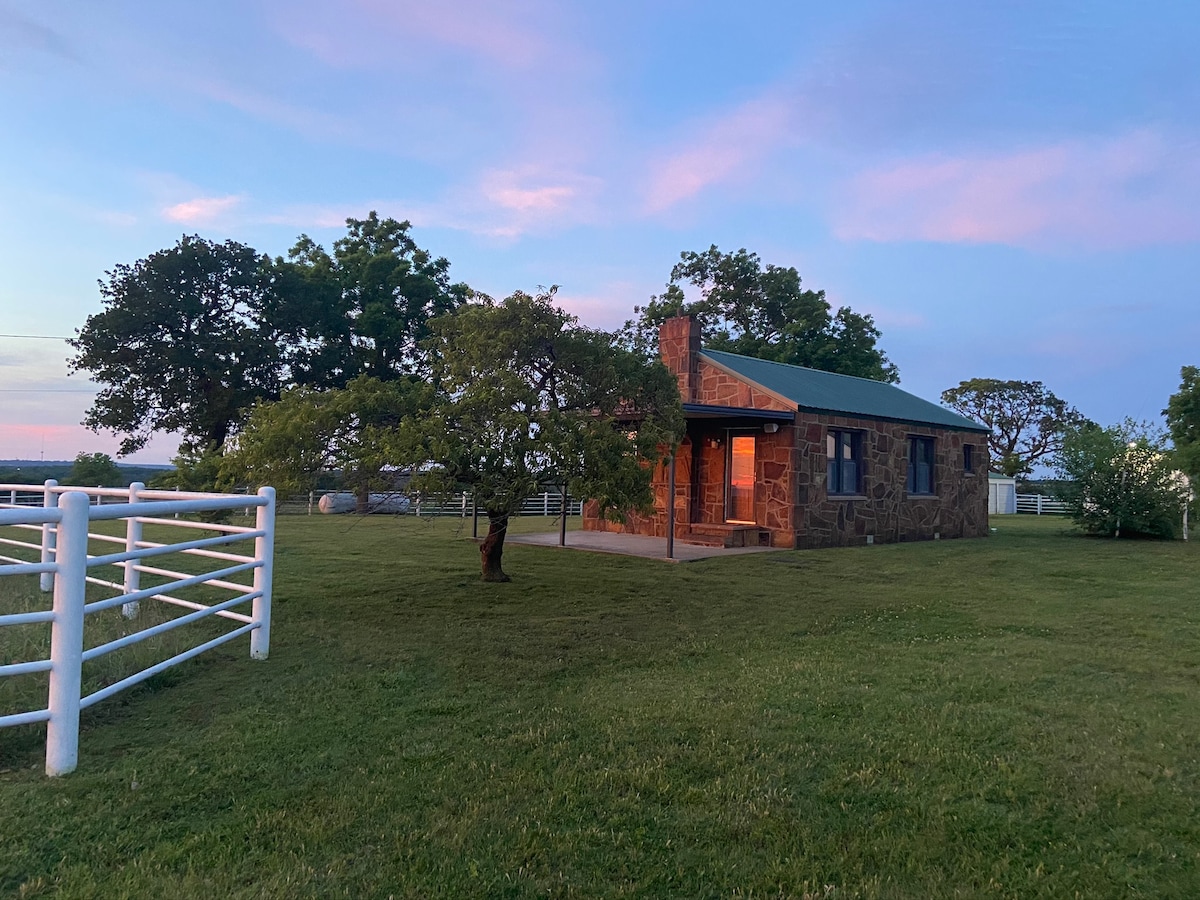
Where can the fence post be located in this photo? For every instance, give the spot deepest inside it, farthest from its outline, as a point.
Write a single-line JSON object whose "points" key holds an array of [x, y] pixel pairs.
{"points": [[66, 636], [1039, 512], [264, 550], [562, 519], [546, 503], [464, 505], [133, 534], [310, 501], [49, 534]]}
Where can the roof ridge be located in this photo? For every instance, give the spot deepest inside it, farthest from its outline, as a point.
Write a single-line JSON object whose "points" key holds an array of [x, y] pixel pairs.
{"points": [[775, 362]]}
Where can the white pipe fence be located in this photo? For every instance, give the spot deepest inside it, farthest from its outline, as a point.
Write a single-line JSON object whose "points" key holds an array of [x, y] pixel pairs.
{"points": [[63, 515], [462, 505]]}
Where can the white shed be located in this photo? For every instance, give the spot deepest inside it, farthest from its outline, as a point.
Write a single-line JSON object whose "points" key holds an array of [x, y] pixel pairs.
{"points": [[1002, 494]]}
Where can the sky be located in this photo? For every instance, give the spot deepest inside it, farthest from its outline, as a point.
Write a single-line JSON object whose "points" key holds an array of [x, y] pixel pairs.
{"points": [[1011, 189]]}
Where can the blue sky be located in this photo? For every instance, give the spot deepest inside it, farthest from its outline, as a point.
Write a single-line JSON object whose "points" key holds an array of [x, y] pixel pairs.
{"points": [[1012, 189]]}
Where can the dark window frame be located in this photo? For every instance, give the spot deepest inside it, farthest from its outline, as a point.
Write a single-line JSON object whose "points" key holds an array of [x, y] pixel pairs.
{"points": [[840, 469], [921, 468], [969, 458]]}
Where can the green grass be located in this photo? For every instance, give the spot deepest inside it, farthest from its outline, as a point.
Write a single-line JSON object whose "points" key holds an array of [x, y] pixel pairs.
{"points": [[1010, 717]]}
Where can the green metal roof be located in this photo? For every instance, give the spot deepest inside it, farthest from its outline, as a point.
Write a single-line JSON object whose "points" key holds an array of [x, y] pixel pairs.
{"points": [[846, 395]]}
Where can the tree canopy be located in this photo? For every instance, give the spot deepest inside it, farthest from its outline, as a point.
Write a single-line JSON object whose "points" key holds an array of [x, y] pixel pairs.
{"points": [[764, 312], [529, 398], [94, 470], [370, 301], [190, 337], [183, 343], [1183, 421], [1027, 421]]}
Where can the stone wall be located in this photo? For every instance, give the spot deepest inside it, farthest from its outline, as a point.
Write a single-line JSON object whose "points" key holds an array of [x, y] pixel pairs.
{"points": [[885, 511], [715, 387]]}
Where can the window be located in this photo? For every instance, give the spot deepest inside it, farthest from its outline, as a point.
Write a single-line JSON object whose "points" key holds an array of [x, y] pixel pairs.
{"points": [[968, 458], [844, 450], [920, 465]]}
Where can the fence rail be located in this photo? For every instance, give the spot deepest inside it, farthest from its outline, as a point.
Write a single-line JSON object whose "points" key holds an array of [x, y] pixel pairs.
{"points": [[1041, 505], [62, 517]]}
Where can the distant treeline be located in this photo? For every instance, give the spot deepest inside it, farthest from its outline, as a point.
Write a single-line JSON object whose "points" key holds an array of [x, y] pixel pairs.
{"points": [[33, 471]]}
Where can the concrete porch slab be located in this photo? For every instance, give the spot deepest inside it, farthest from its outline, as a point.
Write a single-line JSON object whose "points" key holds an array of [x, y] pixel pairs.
{"points": [[631, 545]]}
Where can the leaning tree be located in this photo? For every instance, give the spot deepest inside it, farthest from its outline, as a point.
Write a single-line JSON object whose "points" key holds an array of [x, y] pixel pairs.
{"points": [[529, 398]]}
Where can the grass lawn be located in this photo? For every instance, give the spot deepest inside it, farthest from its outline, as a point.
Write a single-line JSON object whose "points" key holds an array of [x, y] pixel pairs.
{"points": [[1010, 717]]}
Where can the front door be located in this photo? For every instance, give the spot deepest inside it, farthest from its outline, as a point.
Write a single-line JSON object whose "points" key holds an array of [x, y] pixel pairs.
{"points": [[739, 491]]}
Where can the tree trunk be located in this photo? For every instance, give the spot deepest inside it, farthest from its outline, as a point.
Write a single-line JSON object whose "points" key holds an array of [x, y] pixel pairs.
{"points": [[362, 499], [492, 549]]}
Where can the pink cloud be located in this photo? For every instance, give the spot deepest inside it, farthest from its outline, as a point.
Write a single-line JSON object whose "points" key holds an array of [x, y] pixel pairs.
{"points": [[725, 150], [303, 120], [482, 27], [1135, 189], [508, 203], [201, 209], [517, 36]]}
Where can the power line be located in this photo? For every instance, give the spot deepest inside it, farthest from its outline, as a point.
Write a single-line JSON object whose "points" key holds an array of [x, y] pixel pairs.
{"points": [[37, 337], [48, 390]]}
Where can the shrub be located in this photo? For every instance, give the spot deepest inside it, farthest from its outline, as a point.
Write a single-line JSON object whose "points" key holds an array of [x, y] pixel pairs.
{"points": [[1121, 481]]}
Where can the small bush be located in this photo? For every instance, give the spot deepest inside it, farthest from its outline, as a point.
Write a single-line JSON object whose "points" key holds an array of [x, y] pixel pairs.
{"points": [[1121, 481]]}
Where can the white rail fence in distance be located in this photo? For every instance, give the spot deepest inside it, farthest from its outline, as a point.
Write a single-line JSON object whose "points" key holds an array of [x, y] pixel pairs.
{"points": [[1041, 505]]}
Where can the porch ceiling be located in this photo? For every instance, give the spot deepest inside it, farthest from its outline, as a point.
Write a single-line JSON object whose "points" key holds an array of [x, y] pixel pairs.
{"points": [[734, 416]]}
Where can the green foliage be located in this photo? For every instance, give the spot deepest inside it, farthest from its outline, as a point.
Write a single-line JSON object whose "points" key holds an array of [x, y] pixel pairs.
{"points": [[191, 337], [1027, 421], [1121, 481], [369, 304], [196, 469], [183, 343], [356, 431], [1183, 421], [763, 312], [531, 398], [95, 470]]}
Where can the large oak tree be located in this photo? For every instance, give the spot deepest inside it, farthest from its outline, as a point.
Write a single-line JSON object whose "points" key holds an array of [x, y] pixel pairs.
{"points": [[1027, 421], [184, 343], [765, 312], [192, 336], [369, 302]]}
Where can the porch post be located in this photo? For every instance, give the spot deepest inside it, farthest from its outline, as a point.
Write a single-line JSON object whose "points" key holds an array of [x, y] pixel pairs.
{"points": [[671, 505]]}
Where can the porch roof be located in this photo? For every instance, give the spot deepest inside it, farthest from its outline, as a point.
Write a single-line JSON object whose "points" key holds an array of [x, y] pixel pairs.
{"points": [[706, 411]]}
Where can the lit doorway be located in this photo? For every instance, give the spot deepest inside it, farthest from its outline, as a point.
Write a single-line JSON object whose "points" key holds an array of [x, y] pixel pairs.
{"points": [[739, 494]]}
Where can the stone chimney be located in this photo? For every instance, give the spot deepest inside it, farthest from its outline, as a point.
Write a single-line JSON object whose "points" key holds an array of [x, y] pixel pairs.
{"points": [[679, 346]]}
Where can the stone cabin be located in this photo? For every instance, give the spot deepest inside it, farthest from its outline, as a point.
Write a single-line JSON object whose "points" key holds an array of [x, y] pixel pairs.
{"points": [[789, 457]]}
